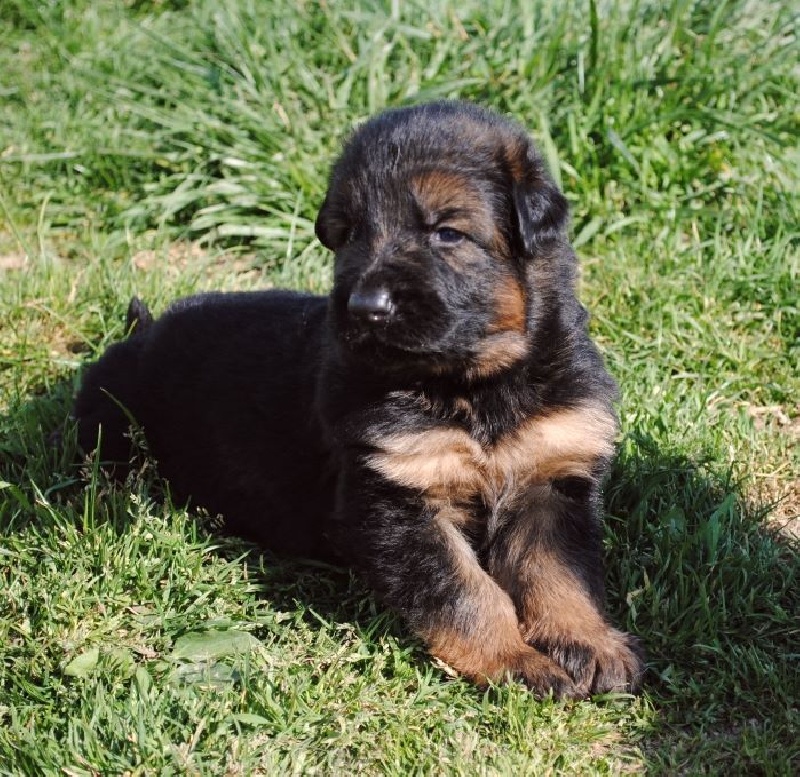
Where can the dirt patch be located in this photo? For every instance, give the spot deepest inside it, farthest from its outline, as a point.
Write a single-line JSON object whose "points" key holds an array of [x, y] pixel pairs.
{"points": [[48, 335], [13, 261], [779, 485], [178, 257], [786, 514], [762, 416]]}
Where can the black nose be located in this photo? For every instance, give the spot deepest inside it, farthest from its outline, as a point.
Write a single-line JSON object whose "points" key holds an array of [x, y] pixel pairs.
{"points": [[374, 305]]}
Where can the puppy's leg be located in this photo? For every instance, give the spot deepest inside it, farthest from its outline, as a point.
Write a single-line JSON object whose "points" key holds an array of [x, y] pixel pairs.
{"points": [[420, 563], [548, 557], [106, 404]]}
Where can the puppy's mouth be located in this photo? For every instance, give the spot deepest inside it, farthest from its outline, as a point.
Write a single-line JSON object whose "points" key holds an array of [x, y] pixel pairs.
{"points": [[392, 341], [384, 338]]}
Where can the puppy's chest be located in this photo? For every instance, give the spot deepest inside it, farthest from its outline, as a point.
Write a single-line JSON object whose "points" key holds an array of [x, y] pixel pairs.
{"points": [[446, 462]]}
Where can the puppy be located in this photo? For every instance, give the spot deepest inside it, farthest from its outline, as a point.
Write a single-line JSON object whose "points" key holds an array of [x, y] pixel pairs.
{"points": [[442, 421]]}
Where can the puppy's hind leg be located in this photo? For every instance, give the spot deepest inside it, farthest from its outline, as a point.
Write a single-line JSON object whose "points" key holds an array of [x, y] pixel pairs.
{"points": [[107, 403]]}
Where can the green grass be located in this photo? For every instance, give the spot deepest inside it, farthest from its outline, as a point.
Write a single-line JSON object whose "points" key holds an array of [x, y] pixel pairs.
{"points": [[163, 147]]}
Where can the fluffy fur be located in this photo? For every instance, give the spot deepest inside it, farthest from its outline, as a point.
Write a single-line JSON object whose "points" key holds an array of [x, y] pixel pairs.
{"points": [[442, 421]]}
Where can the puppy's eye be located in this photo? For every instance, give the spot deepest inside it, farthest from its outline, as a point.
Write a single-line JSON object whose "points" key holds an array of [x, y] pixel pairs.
{"points": [[448, 235]]}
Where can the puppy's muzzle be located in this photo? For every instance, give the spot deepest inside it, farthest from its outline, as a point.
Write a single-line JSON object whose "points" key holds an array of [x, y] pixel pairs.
{"points": [[374, 306]]}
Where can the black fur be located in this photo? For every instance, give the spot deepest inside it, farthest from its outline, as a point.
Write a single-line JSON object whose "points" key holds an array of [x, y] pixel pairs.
{"points": [[267, 407]]}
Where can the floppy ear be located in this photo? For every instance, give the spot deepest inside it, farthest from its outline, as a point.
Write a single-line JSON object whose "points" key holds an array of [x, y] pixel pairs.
{"points": [[330, 227], [541, 209]]}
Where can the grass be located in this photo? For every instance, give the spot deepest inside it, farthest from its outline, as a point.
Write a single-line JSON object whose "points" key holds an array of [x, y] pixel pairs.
{"points": [[164, 147]]}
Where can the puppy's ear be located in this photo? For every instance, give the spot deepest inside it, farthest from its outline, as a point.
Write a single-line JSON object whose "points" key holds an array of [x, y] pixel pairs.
{"points": [[541, 209], [331, 228]]}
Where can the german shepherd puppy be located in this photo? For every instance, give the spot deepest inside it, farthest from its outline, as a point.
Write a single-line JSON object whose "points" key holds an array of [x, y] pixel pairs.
{"points": [[441, 421]]}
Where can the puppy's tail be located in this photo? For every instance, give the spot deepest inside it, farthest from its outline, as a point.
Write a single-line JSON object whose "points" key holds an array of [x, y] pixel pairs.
{"points": [[107, 404]]}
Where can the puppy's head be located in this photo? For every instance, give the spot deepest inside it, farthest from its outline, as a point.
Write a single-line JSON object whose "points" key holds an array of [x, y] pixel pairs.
{"points": [[437, 214]]}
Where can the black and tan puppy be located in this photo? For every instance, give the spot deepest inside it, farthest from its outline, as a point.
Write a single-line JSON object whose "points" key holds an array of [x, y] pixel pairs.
{"points": [[442, 421]]}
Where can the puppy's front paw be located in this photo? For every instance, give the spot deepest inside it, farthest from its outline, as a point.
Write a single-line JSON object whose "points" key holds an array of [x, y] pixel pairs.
{"points": [[543, 676], [483, 662], [613, 661]]}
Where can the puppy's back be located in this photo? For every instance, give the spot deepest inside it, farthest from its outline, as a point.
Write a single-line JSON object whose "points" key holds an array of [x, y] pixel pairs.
{"points": [[223, 387]]}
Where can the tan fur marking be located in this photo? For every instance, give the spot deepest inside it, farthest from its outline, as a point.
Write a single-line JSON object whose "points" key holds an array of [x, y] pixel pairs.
{"points": [[497, 353], [510, 308], [446, 513], [555, 605], [492, 657], [463, 406], [438, 461], [448, 463], [564, 443], [473, 576], [517, 159], [557, 610], [441, 191], [487, 644]]}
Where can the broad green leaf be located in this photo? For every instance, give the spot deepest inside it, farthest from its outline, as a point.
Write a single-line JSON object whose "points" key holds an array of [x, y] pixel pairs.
{"points": [[213, 643], [83, 664]]}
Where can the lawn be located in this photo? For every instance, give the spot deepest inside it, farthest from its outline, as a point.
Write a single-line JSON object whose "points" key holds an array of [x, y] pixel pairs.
{"points": [[159, 147]]}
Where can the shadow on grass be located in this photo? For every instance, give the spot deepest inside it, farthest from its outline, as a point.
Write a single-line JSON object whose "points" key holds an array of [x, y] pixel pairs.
{"points": [[713, 593], [690, 569]]}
